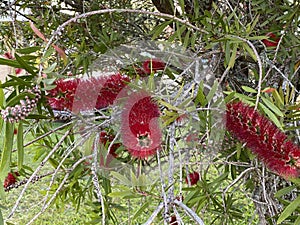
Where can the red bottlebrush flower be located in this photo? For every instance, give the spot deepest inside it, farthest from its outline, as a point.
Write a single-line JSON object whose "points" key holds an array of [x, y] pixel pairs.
{"points": [[10, 179], [140, 129], [86, 94], [151, 65], [110, 90], [62, 96], [264, 139], [193, 177], [173, 220], [272, 41]]}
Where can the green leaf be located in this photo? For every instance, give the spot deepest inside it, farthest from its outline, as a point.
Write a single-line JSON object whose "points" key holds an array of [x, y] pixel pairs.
{"points": [[233, 56], [187, 39], [273, 107], [25, 65], [249, 89], [9, 62], [284, 191], [250, 51], [19, 80], [20, 146], [258, 38], [1, 218], [212, 91], [157, 31], [7, 150], [271, 116], [48, 53], [37, 116], [200, 98], [278, 98], [50, 68], [120, 194], [289, 210], [2, 97], [121, 178], [141, 210], [28, 50], [253, 24]]}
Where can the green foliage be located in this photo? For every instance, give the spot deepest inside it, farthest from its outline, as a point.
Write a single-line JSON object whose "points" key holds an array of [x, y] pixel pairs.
{"points": [[228, 35]]}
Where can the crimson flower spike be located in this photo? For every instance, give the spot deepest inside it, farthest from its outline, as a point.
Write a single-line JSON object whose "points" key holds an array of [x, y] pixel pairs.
{"points": [[86, 94], [140, 130], [264, 139]]}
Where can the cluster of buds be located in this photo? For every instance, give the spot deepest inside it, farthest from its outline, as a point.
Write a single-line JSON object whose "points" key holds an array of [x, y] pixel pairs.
{"points": [[22, 110]]}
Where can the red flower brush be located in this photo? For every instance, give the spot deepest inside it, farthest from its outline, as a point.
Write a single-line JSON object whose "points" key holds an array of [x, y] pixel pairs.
{"points": [[149, 66], [264, 139], [140, 129], [86, 94], [272, 41], [193, 178], [62, 96], [10, 179]]}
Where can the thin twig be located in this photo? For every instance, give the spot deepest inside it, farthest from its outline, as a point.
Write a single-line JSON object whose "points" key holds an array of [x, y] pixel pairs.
{"points": [[95, 177], [154, 214], [57, 190], [36, 171], [189, 212]]}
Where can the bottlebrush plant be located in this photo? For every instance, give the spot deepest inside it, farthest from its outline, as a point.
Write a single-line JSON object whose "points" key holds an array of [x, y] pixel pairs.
{"points": [[264, 139]]}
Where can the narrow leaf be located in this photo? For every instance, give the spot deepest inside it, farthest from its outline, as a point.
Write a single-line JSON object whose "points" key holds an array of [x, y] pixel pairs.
{"points": [[37, 31], [289, 210], [1, 218], [249, 89], [140, 211], [9, 62], [273, 107], [233, 56], [7, 150], [2, 97], [284, 191], [121, 178], [25, 65], [28, 50], [271, 116], [20, 144], [212, 91], [250, 51]]}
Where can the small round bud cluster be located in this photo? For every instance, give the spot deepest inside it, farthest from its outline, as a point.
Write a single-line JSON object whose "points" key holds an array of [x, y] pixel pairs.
{"points": [[22, 110]]}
